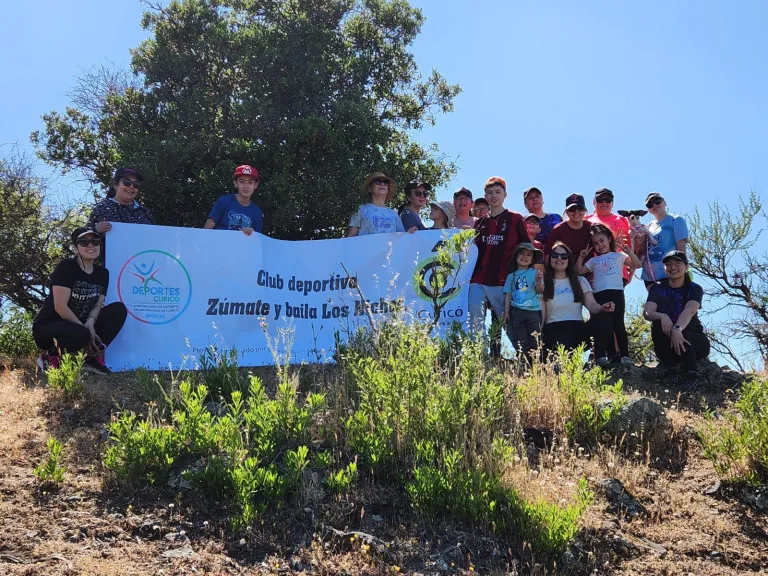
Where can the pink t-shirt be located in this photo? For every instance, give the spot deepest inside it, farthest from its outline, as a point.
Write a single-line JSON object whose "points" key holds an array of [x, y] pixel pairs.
{"points": [[616, 224]]}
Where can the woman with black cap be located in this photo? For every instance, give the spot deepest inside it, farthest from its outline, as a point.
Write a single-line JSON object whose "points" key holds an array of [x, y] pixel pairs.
{"points": [[672, 308], [73, 316], [120, 205]]}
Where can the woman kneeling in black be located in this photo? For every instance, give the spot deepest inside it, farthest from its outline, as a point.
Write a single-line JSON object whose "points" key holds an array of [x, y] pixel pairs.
{"points": [[73, 316], [672, 307]]}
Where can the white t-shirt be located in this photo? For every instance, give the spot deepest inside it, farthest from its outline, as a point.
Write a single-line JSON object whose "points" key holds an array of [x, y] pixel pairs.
{"points": [[607, 271], [562, 307]]}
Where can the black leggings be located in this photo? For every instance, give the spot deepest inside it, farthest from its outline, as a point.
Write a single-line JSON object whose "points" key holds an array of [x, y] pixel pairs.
{"points": [[617, 317], [698, 349], [572, 333], [71, 337]]}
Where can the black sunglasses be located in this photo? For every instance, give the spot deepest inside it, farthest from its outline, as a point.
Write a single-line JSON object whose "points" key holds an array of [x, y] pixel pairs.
{"points": [[654, 202], [380, 181], [420, 194], [88, 241], [128, 182], [559, 255], [603, 199]]}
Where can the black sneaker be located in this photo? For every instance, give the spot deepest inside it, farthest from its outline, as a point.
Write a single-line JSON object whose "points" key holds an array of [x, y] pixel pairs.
{"points": [[97, 362], [690, 382]]}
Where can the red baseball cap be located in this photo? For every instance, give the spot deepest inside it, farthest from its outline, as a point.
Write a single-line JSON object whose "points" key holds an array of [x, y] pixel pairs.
{"points": [[246, 170]]}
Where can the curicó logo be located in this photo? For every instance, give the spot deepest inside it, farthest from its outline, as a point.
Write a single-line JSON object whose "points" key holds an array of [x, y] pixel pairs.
{"points": [[426, 278], [154, 286]]}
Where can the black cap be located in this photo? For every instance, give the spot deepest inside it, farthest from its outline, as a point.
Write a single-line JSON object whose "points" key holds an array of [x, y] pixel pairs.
{"points": [[532, 217], [481, 200], [125, 171], [575, 200], [677, 255], [415, 183], [604, 192], [653, 196], [531, 190], [83, 231], [463, 192]]}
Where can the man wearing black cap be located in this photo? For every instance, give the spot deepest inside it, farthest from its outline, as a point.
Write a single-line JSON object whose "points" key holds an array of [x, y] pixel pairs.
{"points": [[669, 232], [574, 233], [603, 214], [120, 204], [462, 202], [672, 307], [534, 203]]}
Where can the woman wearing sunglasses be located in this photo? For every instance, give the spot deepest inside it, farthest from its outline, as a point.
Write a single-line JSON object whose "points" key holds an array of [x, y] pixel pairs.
{"points": [[73, 316], [416, 197], [374, 217], [565, 295], [120, 205], [667, 232]]}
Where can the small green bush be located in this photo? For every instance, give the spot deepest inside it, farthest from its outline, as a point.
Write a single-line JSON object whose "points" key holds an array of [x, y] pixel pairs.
{"points": [[49, 471], [68, 377], [738, 445], [16, 334], [221, 374]]}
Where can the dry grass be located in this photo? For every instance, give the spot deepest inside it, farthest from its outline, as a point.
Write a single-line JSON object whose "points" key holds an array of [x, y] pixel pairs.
{"points": [[90, 527]]}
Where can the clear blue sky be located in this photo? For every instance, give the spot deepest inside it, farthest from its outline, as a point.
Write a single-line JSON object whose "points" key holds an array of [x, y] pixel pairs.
{"points": [[567, 96]]}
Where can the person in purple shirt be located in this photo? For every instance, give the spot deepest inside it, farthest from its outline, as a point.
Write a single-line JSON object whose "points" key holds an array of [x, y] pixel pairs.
{"points": [[534, 203], [236, 211]]}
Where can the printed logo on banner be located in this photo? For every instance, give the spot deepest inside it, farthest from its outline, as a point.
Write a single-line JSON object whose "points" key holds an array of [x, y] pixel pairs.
{"points": [[425, 278], [154, 286]]}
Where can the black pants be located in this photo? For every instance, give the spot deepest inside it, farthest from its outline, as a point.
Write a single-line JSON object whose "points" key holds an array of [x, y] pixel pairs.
{"points": [[70, 337], [617, 317], [572, 333], [697, 350], [522, 329]]}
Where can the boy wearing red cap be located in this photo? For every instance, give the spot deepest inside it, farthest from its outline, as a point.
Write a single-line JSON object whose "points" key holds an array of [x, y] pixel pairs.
{"points": [[236, 211]]}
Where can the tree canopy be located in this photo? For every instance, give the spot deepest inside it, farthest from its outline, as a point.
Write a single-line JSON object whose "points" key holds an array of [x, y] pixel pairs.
{"points": [[314, 93]]}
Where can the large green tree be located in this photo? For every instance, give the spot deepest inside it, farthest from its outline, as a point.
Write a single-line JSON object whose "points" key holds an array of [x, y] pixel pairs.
{"points": [[33, 232], [314, 93]]}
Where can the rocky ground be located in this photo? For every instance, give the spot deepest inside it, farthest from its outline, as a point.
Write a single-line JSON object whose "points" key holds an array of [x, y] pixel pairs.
{"points": [[659, 507]]}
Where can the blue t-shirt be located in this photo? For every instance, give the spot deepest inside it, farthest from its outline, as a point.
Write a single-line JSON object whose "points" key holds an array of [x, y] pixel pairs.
{"points": [[549, 221], [410, 219], [522, 285], [229, 214], [372, 219], [667, 232]]}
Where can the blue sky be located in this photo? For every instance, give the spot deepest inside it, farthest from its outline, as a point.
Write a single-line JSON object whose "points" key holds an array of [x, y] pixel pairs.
{"points": [[567, 96]]}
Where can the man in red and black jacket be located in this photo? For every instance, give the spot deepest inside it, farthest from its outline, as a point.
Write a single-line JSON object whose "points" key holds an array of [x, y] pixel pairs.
{"points": [[497, 236]]}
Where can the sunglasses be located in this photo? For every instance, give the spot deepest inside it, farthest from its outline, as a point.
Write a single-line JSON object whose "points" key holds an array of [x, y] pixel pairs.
{"points": [[420, 194], [128, 183], [654, 202], [559, 256], [380, 181], [88, 242], [604, 200]]}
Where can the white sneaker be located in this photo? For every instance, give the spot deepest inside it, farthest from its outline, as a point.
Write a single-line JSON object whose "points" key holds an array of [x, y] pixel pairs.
{"points": [[627, 361]]}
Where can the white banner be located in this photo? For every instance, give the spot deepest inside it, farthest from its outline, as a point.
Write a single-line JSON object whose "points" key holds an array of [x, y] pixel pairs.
{"points": [[187, 289]]}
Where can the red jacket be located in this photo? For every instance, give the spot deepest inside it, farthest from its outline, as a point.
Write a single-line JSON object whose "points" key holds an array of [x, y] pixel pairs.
{"points": [[497, 238]]}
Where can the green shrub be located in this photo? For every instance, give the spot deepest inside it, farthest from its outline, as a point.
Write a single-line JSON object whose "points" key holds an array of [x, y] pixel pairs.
{"points": [[738, 445], [639, 333], [68, 377], [398, 413], [16, 334], [572, 399], [49, 471], [221, 374]]}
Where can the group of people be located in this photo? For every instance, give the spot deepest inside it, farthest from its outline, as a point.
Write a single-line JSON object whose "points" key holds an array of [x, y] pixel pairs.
{"points": [[536, 273]]}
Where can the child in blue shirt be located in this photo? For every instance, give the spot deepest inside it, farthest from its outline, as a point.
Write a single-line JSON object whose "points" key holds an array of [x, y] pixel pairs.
{"points": [[522, 305], [236, 211]]}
